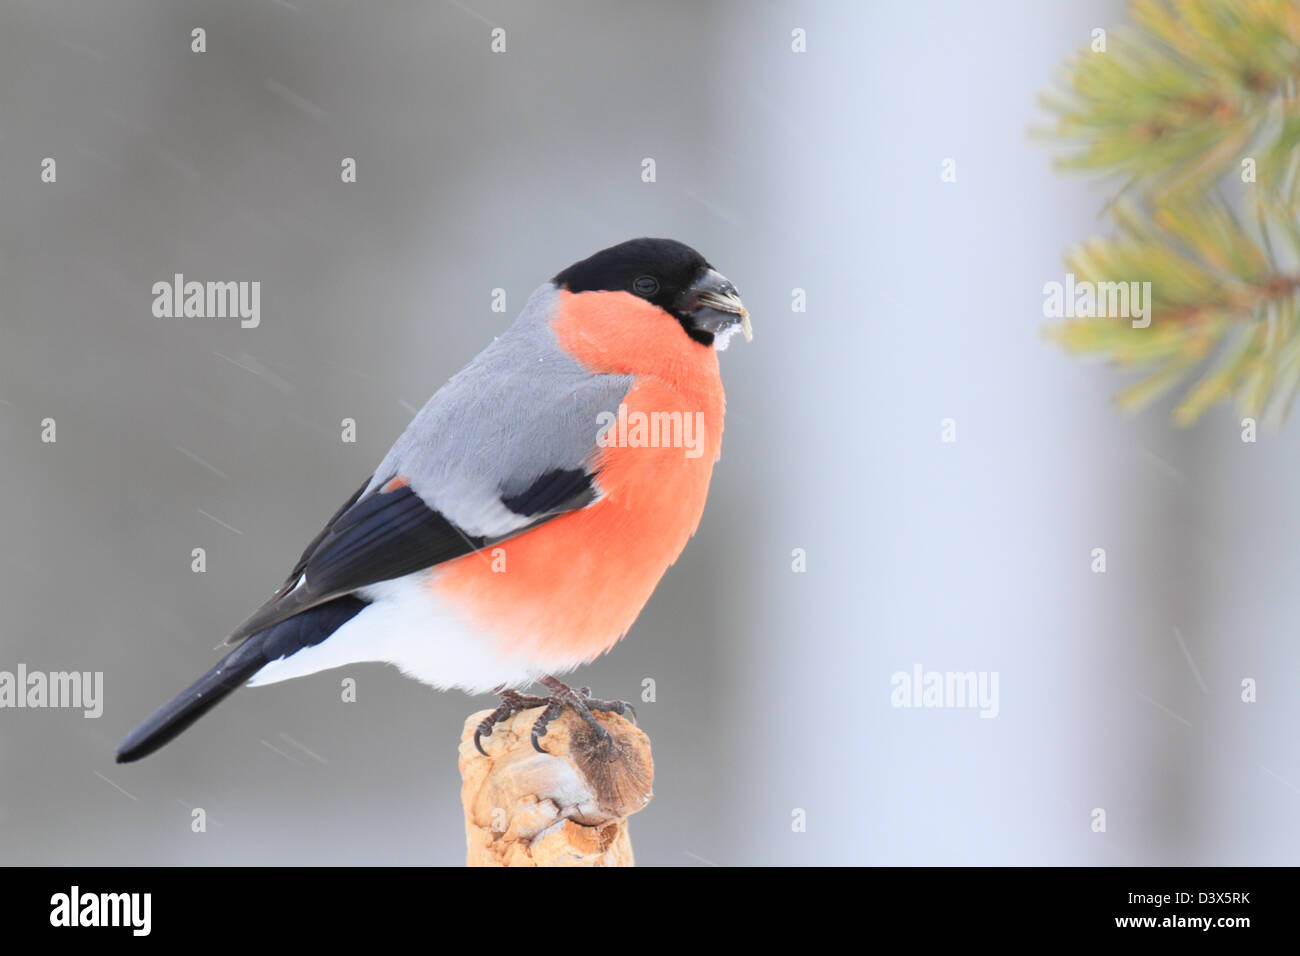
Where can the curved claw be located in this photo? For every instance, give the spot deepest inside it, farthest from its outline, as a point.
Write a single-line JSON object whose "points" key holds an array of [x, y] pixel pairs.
{"points": [[536, 745], [553, 710], [478, 734]]}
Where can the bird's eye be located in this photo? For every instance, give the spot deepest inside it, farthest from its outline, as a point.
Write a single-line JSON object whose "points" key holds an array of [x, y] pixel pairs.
{"points": [[645, 286]]}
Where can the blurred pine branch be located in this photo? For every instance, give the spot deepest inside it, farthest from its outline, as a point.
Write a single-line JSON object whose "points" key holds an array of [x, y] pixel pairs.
{"points": [[1196, 101]]}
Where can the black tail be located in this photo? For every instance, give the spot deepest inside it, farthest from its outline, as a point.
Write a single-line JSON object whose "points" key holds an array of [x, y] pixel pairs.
{"points": [[303, 630]]}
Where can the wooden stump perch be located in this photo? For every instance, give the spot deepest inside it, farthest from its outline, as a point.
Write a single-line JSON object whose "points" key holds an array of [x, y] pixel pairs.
{"points": [[567, 807]]}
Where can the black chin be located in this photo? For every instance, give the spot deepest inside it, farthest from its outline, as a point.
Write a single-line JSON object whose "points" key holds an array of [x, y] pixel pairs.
{"points": [[704, 323], [703, 336]]}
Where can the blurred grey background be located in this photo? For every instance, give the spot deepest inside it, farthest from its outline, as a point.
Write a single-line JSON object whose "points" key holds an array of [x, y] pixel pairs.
{"points": [[818, 171]]}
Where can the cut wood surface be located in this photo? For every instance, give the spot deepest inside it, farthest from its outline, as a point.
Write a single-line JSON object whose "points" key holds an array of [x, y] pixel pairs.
{"points": [[566, 807]]}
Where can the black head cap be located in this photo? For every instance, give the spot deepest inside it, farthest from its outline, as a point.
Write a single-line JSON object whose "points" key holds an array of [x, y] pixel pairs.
{"points": [[661, 271]]}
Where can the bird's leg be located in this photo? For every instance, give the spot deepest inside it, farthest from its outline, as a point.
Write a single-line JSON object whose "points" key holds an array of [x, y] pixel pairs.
{"points": [[582, 703], [512, 702]]}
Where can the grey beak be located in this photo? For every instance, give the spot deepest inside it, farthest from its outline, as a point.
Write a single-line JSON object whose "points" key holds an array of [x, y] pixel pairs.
{"points": [[714, 305]]}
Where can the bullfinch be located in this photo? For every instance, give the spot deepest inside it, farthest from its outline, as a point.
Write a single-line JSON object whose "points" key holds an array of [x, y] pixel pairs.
{"points": [[524, 517]]}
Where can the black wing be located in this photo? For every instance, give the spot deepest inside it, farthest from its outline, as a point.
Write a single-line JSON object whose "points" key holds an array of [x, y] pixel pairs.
{"points": [[391, 532]]}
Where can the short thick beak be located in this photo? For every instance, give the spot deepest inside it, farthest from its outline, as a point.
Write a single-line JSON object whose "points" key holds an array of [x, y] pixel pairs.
{"points": [[714, 305]]}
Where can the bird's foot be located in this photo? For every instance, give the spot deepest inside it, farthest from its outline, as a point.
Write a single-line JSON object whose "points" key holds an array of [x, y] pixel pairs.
{"points": [[579, 700], [582, 704], [512, 702]]}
